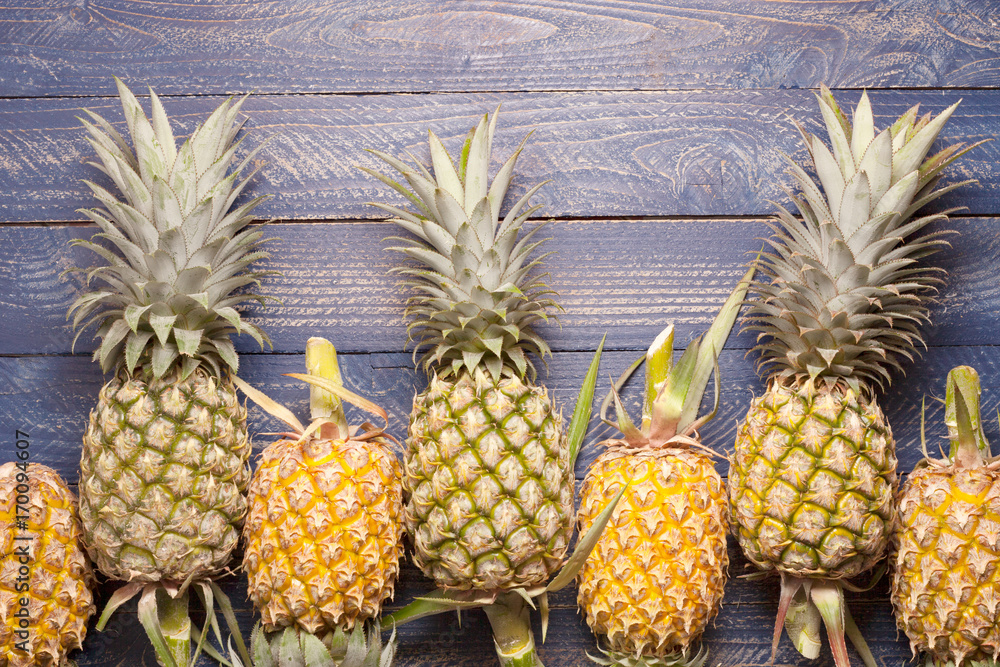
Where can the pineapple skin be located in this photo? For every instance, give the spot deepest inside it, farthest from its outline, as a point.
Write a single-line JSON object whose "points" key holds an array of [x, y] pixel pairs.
{"points": [[946, 579], [163, 473], [656, 577], [324, 532], [812, 480], [489, 483], [59, 586]]}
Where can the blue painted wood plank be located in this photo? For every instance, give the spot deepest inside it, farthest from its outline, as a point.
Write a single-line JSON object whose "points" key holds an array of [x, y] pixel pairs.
{"points": [[608, 154], [626, 277], [314, 46]]}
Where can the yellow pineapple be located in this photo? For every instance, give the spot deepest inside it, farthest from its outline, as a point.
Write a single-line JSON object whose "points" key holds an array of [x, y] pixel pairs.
{"points": [[324, 528], [45, 579], [656, 577], [946, 576]]}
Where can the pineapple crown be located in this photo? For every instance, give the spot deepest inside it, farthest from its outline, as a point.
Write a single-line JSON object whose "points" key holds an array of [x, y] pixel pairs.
{"points": [[674, 391], [359, 647], [964, 419], [326, 396], [477, 299], [846, 297], [683, 658], [176, 255]]}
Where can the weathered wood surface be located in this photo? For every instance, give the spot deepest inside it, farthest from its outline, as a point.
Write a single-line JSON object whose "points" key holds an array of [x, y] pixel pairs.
{"points": [[71, 49], [608, 154], [51, 396], [661, 124], [627, 278], [740, 634]]}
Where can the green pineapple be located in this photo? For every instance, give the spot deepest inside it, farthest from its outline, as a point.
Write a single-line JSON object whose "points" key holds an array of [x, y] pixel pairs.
{"points": [[813, 475], [489, 470], [165, 466]]}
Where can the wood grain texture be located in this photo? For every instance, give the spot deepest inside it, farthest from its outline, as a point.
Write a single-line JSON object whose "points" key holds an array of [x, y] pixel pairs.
{"points": [[662, 125], [50, 397], [608, 154], [627, 278], [72, 49], [740, 634]]}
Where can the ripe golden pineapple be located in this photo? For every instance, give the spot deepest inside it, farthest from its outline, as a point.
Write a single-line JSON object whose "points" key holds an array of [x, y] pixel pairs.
{"points": [[45, 580], [324, 530], [656, 577], [812, 479], [165, 457], [946, 575], [487, 468]]}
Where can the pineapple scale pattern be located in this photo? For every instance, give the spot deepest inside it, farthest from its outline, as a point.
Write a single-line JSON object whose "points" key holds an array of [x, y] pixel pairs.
{"points": [[323, 533], [491, 488], [165, 466]]}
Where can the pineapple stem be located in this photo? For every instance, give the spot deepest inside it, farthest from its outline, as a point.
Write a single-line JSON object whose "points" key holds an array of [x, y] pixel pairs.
{"points": [[512, 636], [165, 619], [829, 600], [175, 624], [799, 617], [321, 361], [964, 419], [828, 596]]}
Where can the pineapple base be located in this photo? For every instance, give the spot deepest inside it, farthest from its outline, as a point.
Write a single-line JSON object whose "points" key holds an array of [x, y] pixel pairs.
{"points": [[490, 483], [162, 476], [656, 576], [323, 533], [58, 589], [946, 575], [812, 479]]}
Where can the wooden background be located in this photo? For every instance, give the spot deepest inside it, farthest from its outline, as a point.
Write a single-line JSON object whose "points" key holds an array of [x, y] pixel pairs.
{"points": [[661, 125]]}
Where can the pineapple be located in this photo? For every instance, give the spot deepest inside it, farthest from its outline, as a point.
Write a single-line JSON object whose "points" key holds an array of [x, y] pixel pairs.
{"points": [[656, 577], [488, 469], [45, 579], [165, 460], [324, 529], [946, 579], [487, 472], [813, 474]]}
